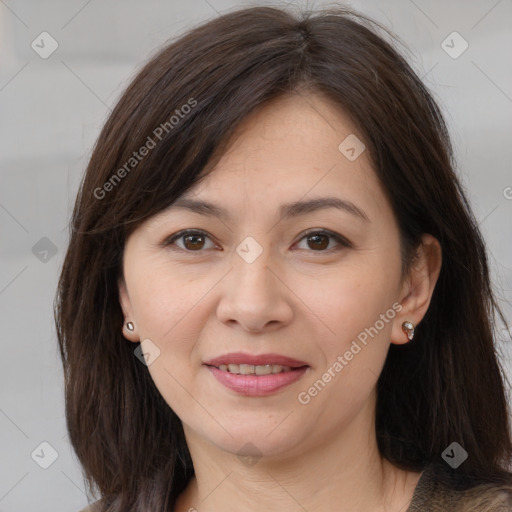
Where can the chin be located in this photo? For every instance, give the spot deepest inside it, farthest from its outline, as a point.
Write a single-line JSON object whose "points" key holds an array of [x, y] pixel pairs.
{"points": [[253, 442]]}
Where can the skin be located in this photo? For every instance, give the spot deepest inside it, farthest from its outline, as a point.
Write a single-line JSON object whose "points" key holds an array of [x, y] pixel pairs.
{"points": [[198, 299]]}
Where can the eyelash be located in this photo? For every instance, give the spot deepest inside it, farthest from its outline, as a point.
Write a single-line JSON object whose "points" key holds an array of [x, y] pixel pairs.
{"points": [[343, 242]]}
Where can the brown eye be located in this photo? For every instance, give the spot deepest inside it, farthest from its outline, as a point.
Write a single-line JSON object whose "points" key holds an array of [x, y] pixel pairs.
{"points": [[196, 241], [318, 241], [192, 241]]}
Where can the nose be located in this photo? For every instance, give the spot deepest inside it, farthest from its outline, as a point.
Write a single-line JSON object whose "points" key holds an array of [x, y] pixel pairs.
{"points": [[255, 296]]}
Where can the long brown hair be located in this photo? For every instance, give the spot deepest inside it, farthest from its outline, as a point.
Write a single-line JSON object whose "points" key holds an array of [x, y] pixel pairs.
{"points": [[445, 386]]}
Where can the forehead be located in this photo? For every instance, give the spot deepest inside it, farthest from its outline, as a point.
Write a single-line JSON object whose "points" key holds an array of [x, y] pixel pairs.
{"points": [[291, 148]]}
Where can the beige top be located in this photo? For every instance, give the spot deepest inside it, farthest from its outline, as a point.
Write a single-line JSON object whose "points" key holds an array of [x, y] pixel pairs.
{"points": [[432, 494], [435, 493]]}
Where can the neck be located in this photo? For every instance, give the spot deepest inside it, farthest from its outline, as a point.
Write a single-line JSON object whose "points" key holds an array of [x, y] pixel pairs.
{"points": [[344, 468]]}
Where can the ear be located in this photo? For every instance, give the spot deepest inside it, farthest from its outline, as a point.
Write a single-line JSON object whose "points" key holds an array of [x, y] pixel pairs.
{"points": [[418, 287], [126, 306]]}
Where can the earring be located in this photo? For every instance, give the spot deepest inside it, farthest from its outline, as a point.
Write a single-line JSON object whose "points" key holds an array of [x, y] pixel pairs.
{"points": [[408, 328], [130, 326]]}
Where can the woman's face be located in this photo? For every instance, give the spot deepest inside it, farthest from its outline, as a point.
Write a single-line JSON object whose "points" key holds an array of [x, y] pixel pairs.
{"points": [[266, 278]]}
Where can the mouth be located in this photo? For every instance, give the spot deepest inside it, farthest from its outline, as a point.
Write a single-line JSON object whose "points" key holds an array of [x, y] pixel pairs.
{"points": [[248, 364], [256, 375], [251, 369]]}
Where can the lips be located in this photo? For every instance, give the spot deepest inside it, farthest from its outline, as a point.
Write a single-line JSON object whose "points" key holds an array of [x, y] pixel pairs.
{"points": [[241, 379], [262, 359], [257, 385]]}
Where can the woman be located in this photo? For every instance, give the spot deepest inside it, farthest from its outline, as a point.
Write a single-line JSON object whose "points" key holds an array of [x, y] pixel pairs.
{"points": [[275, 295]]}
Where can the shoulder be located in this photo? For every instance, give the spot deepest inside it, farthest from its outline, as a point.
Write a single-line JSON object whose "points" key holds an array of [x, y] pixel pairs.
{"points": [[439, 490], [487, 498]]}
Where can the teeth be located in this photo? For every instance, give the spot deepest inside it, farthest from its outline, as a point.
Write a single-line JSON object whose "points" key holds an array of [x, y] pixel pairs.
{"points": [[262, 370], [246, 369], [251, 369]]}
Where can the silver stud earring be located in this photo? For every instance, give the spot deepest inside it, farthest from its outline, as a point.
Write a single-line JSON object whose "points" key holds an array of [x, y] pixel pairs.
{"points": [[130, 326], [408, 328]]}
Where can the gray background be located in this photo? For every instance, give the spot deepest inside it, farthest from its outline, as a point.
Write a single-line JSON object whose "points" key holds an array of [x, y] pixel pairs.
{"points": [[51, 112]]}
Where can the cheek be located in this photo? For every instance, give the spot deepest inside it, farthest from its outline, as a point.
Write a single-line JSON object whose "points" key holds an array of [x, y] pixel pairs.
{"points": [[351, 300], [171, 308], [168, 312], [163, 299], [357, 310]]}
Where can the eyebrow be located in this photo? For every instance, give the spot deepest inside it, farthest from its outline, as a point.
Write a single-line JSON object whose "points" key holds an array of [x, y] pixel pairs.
{"points": [[286, 211]]}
